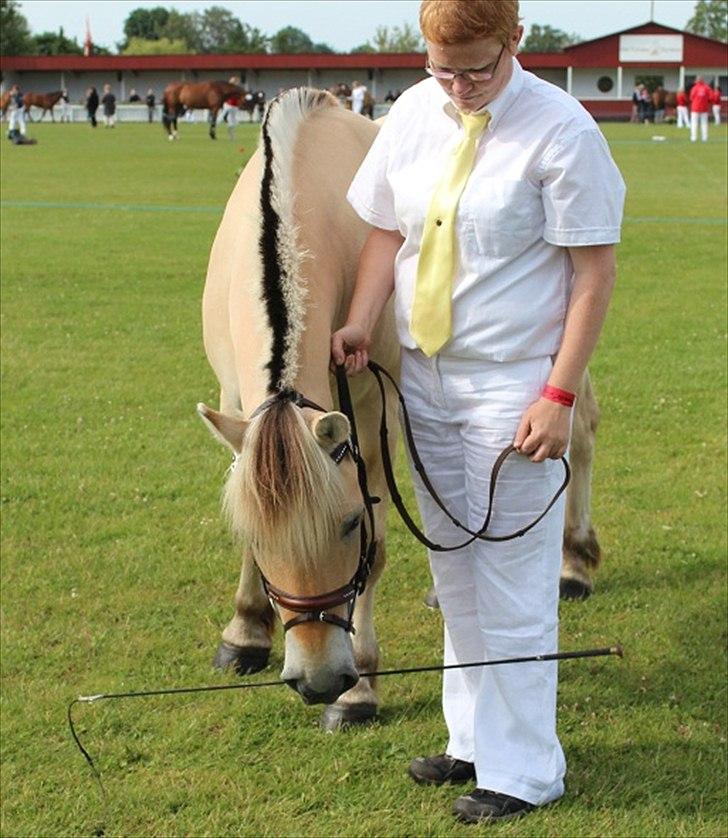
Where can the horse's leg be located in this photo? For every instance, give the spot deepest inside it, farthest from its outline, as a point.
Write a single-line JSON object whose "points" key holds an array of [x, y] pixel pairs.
{"points": [[581, 553], [359, 704], [213, 123], [247, 638]]}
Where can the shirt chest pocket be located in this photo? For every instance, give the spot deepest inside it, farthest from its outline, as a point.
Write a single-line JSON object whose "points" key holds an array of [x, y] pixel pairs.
{"points": [[503, 217]]}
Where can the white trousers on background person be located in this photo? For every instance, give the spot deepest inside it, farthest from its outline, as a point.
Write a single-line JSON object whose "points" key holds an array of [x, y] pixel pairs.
{"points": [[498, 600], [694, 119], [716, 114], [683, 119], [17, 120]]}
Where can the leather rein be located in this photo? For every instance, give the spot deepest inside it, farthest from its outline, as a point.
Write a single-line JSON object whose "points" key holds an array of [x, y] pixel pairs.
{"points": [[317, 608]]}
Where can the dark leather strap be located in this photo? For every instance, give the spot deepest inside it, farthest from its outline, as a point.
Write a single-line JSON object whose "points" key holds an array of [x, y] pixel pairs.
{"points": [[480, 534]]}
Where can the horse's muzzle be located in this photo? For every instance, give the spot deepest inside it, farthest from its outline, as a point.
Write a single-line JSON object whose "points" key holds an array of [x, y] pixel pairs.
{"points": [[311, 695]]}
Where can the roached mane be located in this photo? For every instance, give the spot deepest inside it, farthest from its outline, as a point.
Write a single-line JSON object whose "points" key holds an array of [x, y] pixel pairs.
{"points": [[285, 491], [283, 288]]}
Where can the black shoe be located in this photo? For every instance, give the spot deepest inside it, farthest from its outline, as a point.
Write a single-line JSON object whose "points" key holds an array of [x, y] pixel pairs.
{"points": [[441, 769], [485, 805]]}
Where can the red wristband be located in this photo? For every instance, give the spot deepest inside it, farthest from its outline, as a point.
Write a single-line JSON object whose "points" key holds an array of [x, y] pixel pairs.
{"points": [[556, 394]]}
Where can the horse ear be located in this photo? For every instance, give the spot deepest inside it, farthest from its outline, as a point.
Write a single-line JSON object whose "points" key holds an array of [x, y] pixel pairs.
{"points": [[330, 429], [229, 430]]}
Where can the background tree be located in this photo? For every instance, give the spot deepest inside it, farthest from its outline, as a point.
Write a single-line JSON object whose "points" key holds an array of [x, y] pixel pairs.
{"points": [[181, 27], [218, 30], [145, 23], [292, 40], [14, 30], [56, 43], [710, 18], [405, 38], [160, 46], [547, 39]]}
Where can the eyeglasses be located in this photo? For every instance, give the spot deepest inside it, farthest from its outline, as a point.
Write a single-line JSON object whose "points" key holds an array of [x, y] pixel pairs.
{"points": [[476, 74]]}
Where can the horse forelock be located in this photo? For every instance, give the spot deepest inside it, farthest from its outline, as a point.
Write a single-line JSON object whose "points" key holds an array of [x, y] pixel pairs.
{"points": [[284, 288], [285, 496]]}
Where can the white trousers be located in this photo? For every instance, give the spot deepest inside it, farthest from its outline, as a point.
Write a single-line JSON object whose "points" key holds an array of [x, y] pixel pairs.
{"points": [[716, 114], [694, 119], [683, 119], [498, 600], [17, 120]]}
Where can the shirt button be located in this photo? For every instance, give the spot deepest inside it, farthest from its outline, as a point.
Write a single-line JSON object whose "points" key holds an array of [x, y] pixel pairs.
{"points": [[439, 222]]}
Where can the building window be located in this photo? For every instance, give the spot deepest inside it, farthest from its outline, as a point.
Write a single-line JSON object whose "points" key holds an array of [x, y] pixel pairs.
{"points": [[605, 84]]}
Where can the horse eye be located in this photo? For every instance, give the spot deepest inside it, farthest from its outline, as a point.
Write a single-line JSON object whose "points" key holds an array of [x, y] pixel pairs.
{"points": [[351, 524]]}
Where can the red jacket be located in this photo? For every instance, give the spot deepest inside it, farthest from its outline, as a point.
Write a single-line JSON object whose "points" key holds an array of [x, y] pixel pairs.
{"points": [[700, 97], [681, 98], [715, 96]]}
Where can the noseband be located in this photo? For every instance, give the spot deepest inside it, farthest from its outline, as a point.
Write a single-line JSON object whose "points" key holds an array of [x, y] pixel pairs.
{"points": [[315, 609]]}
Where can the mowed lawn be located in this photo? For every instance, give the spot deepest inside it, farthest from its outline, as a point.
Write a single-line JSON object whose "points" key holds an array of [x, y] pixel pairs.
{"points": [[118, 573]]}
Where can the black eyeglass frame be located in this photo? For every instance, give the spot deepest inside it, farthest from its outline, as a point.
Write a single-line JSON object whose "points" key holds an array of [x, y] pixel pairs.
{"points": [[476, 74]]}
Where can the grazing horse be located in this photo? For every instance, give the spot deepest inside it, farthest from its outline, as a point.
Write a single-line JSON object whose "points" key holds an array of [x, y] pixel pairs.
{"points": [[44, 101], [279, 281], [179, 97], [253, 102]]}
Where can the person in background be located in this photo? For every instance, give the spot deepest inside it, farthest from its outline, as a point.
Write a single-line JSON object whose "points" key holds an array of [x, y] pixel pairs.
{"points": [[92, 105], [151, 101], [683, 118], [715, 102], [16, 118], [647, 112], [636, 104], [230, 108], [700, 95], [134, 97], [108, 100], [358, 92], [494, 206], [64, 103]]}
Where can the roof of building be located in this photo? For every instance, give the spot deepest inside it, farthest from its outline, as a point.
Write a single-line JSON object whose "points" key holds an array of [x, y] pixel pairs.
{"points": [[599, 52]]}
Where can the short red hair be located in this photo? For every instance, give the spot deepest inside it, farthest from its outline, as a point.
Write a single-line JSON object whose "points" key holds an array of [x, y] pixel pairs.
{"points": [[455, 21]]}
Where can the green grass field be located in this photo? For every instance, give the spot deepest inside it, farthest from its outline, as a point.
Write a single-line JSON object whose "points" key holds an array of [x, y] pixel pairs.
{"points": [[118, 573]]}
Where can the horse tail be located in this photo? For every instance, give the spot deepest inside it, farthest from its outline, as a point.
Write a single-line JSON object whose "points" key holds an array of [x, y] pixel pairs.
{"points": [[284, 290]]}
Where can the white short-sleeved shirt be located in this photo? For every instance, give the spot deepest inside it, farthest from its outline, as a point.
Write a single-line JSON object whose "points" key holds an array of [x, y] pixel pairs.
{"points": [[543, 180]]}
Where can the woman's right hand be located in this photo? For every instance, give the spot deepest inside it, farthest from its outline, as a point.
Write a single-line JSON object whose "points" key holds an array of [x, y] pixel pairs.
{"points": [[349, 346]]}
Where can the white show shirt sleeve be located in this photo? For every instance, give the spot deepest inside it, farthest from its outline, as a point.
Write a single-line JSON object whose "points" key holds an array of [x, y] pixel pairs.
{"points": [[370, 193], [582, 192]]}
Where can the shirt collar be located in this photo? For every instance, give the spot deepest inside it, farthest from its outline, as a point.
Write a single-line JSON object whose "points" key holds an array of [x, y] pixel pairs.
{"points": [[499, 105]]}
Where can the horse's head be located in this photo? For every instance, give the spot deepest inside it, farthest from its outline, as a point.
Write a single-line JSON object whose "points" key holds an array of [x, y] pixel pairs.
{"points": [[294, 498]]}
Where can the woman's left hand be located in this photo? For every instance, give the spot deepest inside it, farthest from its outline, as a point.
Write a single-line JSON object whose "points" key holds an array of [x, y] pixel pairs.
{"points": [[543, 432]]}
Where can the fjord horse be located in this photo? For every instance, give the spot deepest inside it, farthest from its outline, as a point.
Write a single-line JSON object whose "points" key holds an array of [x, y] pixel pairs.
{"points": [[279, 281], [179, 97], [44, 101]]}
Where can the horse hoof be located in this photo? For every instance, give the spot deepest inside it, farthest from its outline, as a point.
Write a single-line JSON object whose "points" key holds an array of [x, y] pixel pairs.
{"points": [[574, 589], [244, 660], [431, 600], [338, 716]]}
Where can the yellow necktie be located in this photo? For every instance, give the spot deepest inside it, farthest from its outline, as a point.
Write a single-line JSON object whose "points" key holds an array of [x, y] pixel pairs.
{"points": [[431, 318]]}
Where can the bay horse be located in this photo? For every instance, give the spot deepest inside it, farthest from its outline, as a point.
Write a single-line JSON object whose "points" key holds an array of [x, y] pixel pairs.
{"points": [[44, 101], [279, 281], [4, 103], [179, 97]]}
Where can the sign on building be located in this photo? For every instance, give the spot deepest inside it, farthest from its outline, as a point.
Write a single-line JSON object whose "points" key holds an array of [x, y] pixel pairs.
{"points": [[650, 48]]}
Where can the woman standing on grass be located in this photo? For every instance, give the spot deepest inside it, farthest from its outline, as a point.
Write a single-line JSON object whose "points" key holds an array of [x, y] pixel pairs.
{"points": [[495, 206], [92, 105]]}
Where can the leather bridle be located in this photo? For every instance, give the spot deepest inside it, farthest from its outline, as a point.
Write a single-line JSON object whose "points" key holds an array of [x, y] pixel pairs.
{"points": [[315, 609]]}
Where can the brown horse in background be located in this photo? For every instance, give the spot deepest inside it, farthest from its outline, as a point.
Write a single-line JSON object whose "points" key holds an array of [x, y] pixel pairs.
{"points": [[179, 97], [5, 102], [662, 99], [44, 101]]}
